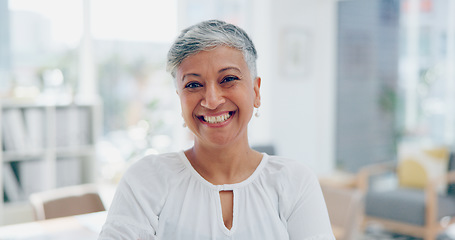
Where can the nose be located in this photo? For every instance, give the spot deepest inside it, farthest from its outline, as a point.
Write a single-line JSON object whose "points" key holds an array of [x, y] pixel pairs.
{"points": [[213, 97]]}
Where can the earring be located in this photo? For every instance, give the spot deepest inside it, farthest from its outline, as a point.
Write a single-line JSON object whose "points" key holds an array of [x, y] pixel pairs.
{"points": [[257, 114]]}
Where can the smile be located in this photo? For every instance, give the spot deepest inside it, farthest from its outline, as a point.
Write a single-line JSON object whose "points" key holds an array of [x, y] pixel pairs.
{"points": [[217, 119]]}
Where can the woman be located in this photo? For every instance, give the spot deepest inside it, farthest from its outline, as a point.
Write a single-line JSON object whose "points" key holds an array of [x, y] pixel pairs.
{"points": [[220, 188]]}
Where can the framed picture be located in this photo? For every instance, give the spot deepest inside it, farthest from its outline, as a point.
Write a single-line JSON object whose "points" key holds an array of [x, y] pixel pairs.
{"points": [[295, 52]]}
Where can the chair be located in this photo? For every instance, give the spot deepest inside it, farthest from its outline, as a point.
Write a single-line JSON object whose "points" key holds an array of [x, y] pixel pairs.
{"points": [[411, 211], [345, 209], [67, 201], [269, 149]]}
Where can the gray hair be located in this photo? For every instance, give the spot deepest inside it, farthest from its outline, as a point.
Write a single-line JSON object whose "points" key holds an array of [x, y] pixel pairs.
{"points": [[206, 36]]}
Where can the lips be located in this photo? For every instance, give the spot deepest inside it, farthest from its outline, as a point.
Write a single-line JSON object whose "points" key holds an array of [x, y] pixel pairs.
{"points": [[216, 119]]}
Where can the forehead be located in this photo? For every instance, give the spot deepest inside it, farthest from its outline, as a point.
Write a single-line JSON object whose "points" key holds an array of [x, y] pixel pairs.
{"points": [[213, 60]]}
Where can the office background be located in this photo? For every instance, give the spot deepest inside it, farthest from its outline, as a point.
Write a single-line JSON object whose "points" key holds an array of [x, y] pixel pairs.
{"points": [[343, 82]]}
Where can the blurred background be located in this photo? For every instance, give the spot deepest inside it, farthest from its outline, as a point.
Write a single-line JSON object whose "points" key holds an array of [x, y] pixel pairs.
{"points": [[344, 83]]}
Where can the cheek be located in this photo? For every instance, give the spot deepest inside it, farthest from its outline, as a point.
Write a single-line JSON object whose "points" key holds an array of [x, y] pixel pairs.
{"points": [[183, 104], [187, 104], [250, 95]]}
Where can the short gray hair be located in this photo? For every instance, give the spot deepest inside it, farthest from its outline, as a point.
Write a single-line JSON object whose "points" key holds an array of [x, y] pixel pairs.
{"points": [[208, 35]]}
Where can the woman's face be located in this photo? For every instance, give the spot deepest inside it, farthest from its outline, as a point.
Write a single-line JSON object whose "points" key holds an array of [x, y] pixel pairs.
{"points": [[217, 95]]}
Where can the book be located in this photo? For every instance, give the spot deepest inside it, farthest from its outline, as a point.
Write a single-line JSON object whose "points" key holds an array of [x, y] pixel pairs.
{"points": [[30, 174], [62, 122], [14, 129], [34, 121], [85, 127], [73, 127], [12, 188], [7, 135], [69, 172]]}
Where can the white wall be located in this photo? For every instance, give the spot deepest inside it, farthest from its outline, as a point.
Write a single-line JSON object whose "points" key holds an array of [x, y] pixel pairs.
{"points": [[298, 109], [260, 29]]}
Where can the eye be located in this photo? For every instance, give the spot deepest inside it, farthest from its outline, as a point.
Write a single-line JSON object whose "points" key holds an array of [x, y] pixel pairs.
{"points": [[229, 79], [193, 85]]}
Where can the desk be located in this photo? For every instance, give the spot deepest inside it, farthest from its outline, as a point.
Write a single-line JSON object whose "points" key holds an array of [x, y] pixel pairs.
{"points": [[85, 226]]}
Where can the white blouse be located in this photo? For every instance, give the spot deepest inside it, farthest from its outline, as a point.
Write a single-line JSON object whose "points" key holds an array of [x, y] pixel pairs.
{"points": [[163, 197]]}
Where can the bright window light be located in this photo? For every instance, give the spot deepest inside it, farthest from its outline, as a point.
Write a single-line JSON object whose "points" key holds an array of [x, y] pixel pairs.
{"points": [[134, 20], [65, 17]]}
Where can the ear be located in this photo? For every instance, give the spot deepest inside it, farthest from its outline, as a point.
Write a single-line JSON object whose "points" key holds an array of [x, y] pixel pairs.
{"points": [[257, 94]]}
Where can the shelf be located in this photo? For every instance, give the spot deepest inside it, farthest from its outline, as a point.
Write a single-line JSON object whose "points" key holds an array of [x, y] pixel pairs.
{"points": [[9, 156], [30, 103], [80, 151], [44, 146]]}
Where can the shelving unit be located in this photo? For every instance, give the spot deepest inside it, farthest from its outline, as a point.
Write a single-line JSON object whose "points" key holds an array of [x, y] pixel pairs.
{"points": [[45, 146]]}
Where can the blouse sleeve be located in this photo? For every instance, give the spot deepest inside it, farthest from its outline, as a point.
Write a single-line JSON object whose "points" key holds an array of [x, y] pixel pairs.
{"points": [[125, 219], [130, 217], [308, 218]]}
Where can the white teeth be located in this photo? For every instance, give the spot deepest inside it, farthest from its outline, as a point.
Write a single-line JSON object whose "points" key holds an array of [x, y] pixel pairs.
{"points": [[217, 119]]}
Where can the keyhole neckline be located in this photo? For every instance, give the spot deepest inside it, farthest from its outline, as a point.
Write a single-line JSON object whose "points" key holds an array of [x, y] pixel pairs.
{"points": [[225, 187]]}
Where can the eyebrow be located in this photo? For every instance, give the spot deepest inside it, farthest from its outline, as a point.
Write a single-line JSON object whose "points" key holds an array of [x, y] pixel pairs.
{"points": [[220, 71], [190, 74], [229, 68]]}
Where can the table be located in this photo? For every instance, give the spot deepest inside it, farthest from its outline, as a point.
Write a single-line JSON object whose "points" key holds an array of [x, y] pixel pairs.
{"points": [[85, 226]]}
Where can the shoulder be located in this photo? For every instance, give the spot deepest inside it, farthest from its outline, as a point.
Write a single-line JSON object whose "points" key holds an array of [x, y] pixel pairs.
{"points": [[141, 195], [299, 187], [149, 180], [155, 167], [292, 179], [290, 169], [167, 162]]}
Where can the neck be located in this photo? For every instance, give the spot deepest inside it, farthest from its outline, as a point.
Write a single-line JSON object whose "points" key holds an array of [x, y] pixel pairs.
{"points": [[224, 165]]}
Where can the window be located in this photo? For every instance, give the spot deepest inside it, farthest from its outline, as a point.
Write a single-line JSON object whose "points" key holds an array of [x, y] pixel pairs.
{"points": [[427, 81], [403, 87], [40, 47], [55, 49]]}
